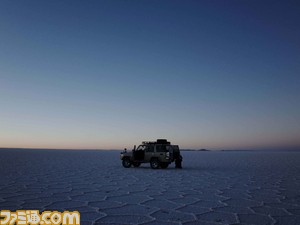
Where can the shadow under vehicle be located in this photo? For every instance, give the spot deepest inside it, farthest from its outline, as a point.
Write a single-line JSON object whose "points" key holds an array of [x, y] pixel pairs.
{"points": [[160, 154]]}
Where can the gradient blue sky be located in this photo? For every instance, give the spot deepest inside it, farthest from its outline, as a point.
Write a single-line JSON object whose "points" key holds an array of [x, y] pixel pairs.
{"points": [[109, 74]]}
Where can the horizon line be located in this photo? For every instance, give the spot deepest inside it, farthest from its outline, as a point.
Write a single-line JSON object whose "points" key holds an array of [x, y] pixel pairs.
{"points": [[182, 149]]}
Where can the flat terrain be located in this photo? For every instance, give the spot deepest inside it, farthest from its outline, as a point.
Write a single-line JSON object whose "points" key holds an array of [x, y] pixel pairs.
{"points": [[212, 188]]}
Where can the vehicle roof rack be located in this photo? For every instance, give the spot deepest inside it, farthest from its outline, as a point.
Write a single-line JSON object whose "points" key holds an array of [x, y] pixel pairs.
{"points": [[148, 142], [158, 141], [163, 141]]}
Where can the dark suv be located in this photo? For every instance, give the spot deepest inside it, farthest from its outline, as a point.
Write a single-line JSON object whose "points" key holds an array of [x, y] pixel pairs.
{"points": [[160, 154]]}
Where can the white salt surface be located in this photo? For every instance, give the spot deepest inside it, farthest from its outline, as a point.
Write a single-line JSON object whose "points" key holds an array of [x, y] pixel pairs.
{"points": [[212, 188]]}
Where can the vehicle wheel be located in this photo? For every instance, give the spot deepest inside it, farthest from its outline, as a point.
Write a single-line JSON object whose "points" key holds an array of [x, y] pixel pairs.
{"points": [[154, 164], [126, 163], [164, 165], [136, 164]]}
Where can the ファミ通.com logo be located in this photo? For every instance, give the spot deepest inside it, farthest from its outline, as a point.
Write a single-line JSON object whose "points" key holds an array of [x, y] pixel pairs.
{"points": [[33, 217]]}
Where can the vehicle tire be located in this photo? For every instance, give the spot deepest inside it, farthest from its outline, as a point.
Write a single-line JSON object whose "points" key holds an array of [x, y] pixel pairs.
{"points": [[164, 165], [154, 163], [136, 164], [126, 163]]}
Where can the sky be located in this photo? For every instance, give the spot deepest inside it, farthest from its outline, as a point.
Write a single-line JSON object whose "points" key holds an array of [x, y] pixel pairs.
{"points": [[110, 74]]}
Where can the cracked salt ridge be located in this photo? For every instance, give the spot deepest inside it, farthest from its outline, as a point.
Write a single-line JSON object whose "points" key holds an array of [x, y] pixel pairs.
{"points": [[213, 188]]}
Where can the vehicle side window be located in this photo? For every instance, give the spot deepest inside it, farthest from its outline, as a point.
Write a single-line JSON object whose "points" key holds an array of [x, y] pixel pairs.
{"points": [[161, 148], [150, 148], [169, 148], [141, 147]]}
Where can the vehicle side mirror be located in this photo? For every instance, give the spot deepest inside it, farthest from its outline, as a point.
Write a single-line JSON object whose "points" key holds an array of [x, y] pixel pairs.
{"points": [[134, 147]]}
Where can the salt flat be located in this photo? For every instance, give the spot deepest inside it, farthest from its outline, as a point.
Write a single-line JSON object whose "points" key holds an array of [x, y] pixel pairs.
{"points": [[212, 188]]}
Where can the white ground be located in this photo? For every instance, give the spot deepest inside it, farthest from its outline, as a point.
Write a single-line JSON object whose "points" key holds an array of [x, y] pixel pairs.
{"points": [[212, 188]]}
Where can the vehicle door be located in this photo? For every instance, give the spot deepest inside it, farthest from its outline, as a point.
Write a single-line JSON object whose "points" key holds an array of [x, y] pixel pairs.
{"points": [[161, 152], [149, 152], [170, 152], [139, 153]]}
